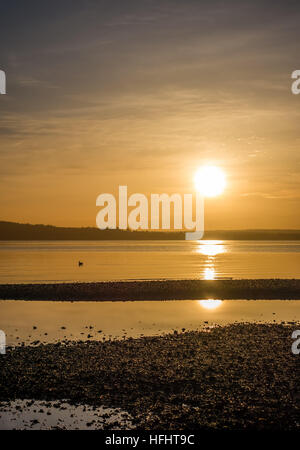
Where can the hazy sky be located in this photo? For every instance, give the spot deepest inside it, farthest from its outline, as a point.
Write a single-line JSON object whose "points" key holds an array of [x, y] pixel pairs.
{"points": [[141, 93]]}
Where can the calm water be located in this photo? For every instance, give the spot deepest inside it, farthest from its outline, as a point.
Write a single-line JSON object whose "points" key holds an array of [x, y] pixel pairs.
{"points": [[31, 262], [40, 415], [33, 321]]}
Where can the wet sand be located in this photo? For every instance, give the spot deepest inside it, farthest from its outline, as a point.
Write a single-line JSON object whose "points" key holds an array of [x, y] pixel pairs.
{"points": [[155, 290], [242, 376]]}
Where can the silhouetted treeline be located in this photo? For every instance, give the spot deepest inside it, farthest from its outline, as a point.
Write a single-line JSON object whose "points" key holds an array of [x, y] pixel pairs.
{"points": [[18, 232]]}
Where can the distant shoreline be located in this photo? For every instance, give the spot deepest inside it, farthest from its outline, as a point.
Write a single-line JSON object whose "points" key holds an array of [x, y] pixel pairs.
{"points": [[12, 231], [259, 289]]}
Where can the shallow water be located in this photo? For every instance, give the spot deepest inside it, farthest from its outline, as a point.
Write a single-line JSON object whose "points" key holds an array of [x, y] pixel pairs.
{"points": [[42, 415], [57, 261], [34, 321]]}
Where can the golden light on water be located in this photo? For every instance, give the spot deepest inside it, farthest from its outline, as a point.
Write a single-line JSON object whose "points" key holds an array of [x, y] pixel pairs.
{"points": [[210, 303], [210, 181], [211, 248], [209, 273]]}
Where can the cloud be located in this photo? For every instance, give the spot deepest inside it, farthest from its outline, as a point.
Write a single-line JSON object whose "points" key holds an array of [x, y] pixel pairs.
{"points": [[101, 90]]}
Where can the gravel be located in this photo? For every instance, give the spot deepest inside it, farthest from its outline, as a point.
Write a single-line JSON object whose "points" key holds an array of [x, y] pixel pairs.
{"points": [[156, 290], [242, 376]]}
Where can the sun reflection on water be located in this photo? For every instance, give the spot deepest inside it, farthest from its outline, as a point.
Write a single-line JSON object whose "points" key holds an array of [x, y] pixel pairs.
{"points": [[210, 303], [211, 248], [209, 273]]}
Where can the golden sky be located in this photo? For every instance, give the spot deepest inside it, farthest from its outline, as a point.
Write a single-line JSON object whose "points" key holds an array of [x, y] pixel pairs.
{"points": [[142, 93]]}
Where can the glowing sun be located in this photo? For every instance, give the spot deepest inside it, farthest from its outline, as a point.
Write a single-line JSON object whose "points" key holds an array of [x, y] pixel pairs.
{"points": [[210, 181]]}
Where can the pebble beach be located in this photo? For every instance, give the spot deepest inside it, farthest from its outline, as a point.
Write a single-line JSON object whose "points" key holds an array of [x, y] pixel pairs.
{"points": [[239, 377]]}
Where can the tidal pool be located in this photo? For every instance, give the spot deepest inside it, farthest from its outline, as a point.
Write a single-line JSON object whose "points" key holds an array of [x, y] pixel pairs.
{"points": [[44, 415]]}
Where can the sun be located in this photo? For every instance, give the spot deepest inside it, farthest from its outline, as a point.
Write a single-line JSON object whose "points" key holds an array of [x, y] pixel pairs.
{"points": [[210, 181]]}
